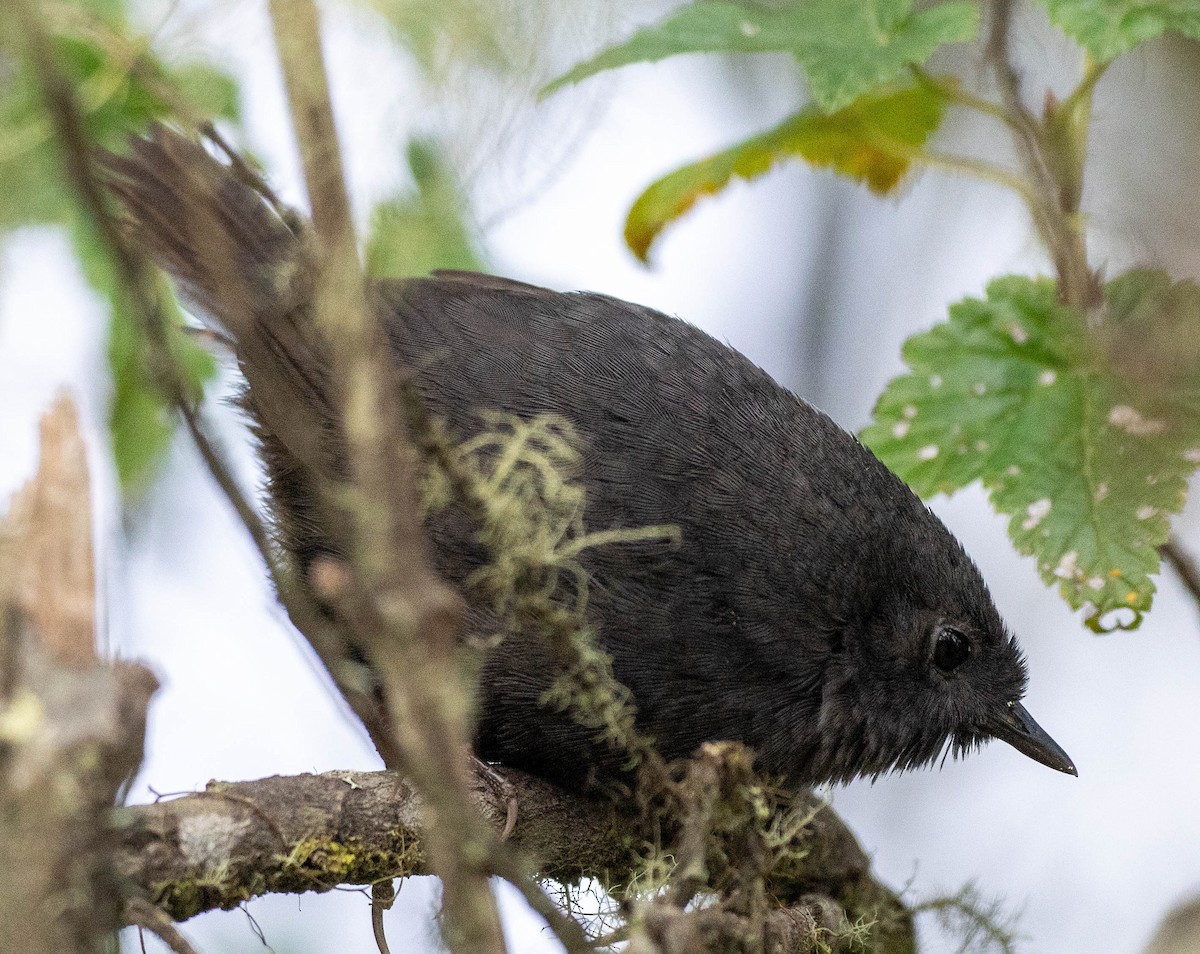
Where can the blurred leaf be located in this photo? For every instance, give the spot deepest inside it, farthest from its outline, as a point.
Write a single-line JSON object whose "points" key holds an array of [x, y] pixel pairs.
{"points": [[118, 96], [868, 141], [140, 425], [439, 33], [207, 90], [120, 91], [1108, 28], [1085, 454], [415, 234], [846, 47]]}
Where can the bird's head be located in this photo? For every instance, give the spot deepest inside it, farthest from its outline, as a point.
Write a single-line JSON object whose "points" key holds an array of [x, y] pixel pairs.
{"points": [[924, 666]]}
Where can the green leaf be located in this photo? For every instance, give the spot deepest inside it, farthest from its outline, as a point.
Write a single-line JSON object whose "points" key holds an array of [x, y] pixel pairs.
{"points": [[846, 47], [209, 91], [474, 30], [140, 424], [1108, 28], [870, 141], [415, 234], [116, 100], [1085, 438]]}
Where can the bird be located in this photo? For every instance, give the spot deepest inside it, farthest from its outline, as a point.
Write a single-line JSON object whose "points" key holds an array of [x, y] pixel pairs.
{"points": [[812, 607]]}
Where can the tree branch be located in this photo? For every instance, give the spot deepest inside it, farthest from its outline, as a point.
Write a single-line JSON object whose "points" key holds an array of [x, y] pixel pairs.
{"points": [[234, 841], [134, 278], [404, 616], [1184, 565], [71, 727], [1053, 166], [143, 915]]}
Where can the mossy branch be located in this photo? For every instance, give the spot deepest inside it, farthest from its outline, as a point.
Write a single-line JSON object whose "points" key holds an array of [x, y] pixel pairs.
{"points": [[218, 848]]}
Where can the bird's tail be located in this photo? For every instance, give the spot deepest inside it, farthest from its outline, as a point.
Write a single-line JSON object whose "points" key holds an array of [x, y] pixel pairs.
{"points": [[235, 254], [241, 261]]}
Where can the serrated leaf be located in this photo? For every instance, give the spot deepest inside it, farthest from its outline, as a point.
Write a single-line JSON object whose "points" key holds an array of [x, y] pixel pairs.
{"points": [[845, 47], [1108, 28], [427, 230], [1073, 440], [869, 141]]}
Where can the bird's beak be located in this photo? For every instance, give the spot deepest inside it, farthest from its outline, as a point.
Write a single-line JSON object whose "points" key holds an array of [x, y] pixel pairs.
{"points": [[1016, 727]]}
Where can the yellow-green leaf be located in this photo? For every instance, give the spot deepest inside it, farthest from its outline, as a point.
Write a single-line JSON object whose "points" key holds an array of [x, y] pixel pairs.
{"points": [[870, 141], [429, 229]]}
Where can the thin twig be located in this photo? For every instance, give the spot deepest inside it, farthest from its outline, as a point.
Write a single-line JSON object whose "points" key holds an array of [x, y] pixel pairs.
{"points": [[215, 462], [382, 896], [302, 609], [1056, 179], [135, 282], [1184, 565], [565, 928], [405, 617], [142, 914]]}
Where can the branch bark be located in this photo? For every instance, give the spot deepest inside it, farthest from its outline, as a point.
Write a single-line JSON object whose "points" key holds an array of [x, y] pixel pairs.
{"points": [[234, 841], [404, 616], [1184, 565], [71, 727]]}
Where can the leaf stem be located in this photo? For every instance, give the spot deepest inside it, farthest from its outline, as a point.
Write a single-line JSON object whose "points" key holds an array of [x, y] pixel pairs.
{"points": [[951, 91], [1093, 71], [949, 162], [1053, 158]]}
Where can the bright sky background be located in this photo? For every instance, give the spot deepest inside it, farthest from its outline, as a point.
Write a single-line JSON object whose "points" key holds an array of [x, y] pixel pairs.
{"points": [[1092, 863]]}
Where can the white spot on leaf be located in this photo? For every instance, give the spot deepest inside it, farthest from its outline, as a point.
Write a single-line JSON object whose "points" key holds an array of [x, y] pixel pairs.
{"points": [[1129, 420], [899, 429], [1019, 334], [980, 389], [750, 29], [981, 446], [1047, 378], [928, 452], [1096, 582], [909, 411], [1068, 566], [1013, 470], [1192, 456], [1146, 512], [935, 381], [1035, 513], [1100, 493]]}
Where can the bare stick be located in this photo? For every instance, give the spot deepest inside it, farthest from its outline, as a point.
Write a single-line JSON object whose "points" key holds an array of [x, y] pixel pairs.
{"points": [[142, 914], [72, 724], [1056, 178], [406, 618], [1184, 565], [135, 281]]}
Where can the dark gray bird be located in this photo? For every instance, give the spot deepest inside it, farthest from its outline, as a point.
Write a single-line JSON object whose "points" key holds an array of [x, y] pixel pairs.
{"points": [[814, 610]]}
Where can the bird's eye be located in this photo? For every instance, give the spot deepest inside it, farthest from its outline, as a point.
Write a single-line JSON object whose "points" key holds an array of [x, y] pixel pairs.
{"points": [[951, 650]]}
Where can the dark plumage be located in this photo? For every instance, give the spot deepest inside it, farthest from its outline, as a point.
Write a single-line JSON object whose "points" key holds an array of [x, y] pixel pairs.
{"points": [[815, 609]]}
